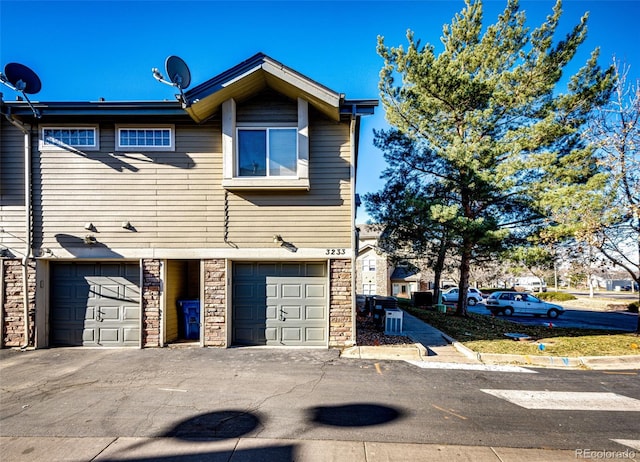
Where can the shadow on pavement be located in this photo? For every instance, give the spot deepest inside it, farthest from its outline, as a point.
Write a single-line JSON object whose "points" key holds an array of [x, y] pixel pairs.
{"points": [[215, 426], [354, 415]]}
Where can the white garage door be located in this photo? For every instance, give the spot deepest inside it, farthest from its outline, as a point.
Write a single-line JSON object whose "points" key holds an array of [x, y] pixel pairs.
{"points": [[95, 304], [280, 304]]}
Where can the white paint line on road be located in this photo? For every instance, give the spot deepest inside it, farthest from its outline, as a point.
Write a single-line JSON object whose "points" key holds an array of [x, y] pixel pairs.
{"points": [[635, 444], [469, 367], [172, 389], [568, 401]]}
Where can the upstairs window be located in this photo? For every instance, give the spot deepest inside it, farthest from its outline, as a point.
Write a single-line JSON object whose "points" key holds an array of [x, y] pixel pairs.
{"points": [[272, 154], [369, 264], [266, 152], [84, 138], [147, 138]]}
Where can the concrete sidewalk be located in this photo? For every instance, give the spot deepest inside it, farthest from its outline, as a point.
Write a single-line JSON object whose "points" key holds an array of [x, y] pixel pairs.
{"points": [[131, 449]]}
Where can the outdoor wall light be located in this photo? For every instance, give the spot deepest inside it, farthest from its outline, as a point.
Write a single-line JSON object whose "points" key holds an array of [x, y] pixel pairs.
{"points": [[277, 239], [89, 227], [127, 225]]}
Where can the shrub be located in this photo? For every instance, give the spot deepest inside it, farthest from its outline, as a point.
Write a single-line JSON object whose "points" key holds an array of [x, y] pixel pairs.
{"points": [[555, 296], [633, 307]]}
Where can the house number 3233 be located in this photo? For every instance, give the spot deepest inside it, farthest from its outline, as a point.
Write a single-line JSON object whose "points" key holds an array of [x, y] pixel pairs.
{"points": [[336, 252]]}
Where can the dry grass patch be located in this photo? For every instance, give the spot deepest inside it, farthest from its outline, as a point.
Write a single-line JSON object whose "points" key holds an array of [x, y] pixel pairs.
{"points": [[486, 334]]}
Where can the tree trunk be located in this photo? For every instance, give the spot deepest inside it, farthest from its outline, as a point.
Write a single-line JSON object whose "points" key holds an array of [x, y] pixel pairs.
{"points": [[465, 269], [438, 268]]}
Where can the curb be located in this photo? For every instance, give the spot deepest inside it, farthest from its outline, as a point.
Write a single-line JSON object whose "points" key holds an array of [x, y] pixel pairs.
{"points": [[628, 362]]}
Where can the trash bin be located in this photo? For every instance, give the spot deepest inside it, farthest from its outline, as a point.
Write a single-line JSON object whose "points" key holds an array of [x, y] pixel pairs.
{"points": [[191, 316], [377, 305], [422, 299]]}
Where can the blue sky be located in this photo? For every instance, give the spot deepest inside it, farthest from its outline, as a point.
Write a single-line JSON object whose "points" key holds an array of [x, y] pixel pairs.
{"points": [[84, 50]]}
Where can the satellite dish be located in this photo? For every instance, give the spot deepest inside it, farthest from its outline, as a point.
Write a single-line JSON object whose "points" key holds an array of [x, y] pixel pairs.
{"points": [[22, 78], [179, 76], [178, 72]]}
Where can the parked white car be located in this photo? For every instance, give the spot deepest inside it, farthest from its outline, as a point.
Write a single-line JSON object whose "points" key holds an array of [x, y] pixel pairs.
{"points": [[473, 295], [517, 303]]}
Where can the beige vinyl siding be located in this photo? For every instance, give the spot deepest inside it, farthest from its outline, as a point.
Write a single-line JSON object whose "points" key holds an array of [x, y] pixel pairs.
{"points": [[170, 198], [174, 200], [12, 201]]}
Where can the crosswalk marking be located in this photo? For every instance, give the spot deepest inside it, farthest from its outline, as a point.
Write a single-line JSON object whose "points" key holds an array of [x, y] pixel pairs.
{"points": [[568, 401], [469, 367], [635, 444]]}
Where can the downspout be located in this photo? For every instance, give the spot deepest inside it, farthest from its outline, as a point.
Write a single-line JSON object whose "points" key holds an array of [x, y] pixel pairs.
{"points": [[27, 224], [27, 229], [353, 131]]}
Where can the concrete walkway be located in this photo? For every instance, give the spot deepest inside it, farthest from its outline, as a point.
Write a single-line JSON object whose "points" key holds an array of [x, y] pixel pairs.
{"points": [[430, 345]]}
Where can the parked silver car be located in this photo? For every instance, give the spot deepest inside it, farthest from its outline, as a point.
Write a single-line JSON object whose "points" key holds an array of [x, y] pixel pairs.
{"points": [[517, 303], [473, 295]]}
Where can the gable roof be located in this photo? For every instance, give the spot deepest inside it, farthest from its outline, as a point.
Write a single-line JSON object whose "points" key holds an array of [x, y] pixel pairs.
{"points": [[258, 72]]}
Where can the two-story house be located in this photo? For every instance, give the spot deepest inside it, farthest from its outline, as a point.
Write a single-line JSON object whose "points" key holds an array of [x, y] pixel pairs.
{"points": [[240, 196]]}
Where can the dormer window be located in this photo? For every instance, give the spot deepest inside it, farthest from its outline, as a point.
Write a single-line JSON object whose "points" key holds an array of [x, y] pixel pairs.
{"points": [[269, 155], [267, 152]]}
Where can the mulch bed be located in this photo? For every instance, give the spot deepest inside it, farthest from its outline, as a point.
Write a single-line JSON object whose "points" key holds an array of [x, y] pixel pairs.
{"points": [[367, 334]]}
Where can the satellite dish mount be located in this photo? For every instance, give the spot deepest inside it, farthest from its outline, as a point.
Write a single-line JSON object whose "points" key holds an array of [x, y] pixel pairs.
{"points": [[20, 78], [178, 74]]}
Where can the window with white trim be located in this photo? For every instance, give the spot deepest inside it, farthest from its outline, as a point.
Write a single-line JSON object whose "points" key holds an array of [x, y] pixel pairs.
{"points": [[369, 264], [267, 152], [145, 138], [270, 155], [368, 289], [76, 137]]}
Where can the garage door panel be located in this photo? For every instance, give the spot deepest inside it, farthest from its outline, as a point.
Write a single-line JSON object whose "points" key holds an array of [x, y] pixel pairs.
{"points": [[94, 304], [314, 290], [131, 313], [291, 312], [110, 313], [316, 334], [131, 335], [109, 335], [315, 312], [88, 335], [291, 291]]}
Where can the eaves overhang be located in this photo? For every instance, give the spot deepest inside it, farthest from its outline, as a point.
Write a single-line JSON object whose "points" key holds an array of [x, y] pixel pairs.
{"points": [[21, 110], [252, 76]]}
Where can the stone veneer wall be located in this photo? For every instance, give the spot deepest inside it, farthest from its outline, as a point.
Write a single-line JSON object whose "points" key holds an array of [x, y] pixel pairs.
{"points": [[151, 303], [215, 303], [341, 325], [12, 302]]}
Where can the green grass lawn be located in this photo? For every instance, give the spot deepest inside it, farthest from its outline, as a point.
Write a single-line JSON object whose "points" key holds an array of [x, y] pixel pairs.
{"points": [[486, 334]]}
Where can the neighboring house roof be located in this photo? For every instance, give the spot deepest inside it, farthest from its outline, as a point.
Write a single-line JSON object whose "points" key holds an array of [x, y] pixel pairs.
{"points": [[259, 72], [405, 274]]}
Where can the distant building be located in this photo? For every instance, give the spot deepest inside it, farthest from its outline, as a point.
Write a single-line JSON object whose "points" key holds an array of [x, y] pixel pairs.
{"points": [[376, 275]]}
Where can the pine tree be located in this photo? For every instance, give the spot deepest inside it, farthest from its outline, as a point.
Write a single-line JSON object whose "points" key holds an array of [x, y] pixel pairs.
{"points": [[488, 112]]}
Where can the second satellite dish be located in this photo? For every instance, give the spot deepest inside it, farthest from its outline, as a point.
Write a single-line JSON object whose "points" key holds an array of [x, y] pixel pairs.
{"points": [[22, 78], [178, 72]]}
